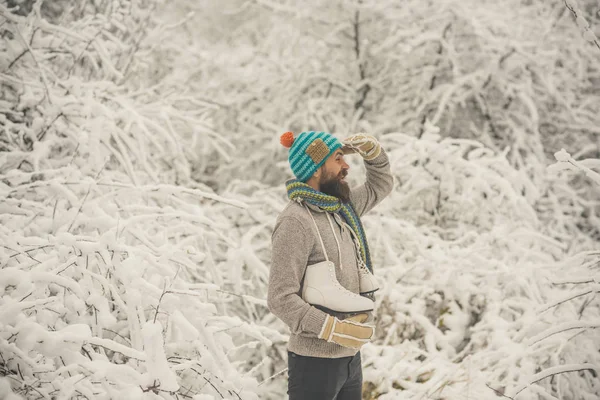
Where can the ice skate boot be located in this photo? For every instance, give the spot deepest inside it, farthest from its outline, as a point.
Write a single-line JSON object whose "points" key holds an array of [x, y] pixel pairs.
{"points": [[368, 282], [321, 288]]}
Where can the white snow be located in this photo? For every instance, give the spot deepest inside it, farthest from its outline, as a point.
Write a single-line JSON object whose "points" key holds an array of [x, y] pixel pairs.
{"points": [[157, 366], [141, 175]]}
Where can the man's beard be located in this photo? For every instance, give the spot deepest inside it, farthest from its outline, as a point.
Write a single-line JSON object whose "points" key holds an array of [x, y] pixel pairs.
{"points": [[333, 186]]}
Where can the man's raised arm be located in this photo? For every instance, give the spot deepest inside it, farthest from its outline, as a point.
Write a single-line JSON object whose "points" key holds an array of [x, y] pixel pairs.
{"points": [[379, 182]]}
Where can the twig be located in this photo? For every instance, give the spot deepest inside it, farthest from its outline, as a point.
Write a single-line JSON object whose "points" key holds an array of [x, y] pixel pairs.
{"points": [[434, 77], [16, 59], [44, 80], [86, 195], [575, 15], [591, 289], [118, 334], [80, 207], [271, 377], [136, 44], [214, 387], [154, 387], [563, 328], [186, 395], [30, 293], [61, 271], [365, 88], [43, 133], [83, 51], [54, 211], [74, 154], [159, 300], [498, 392], [558, 370], [25, 252], [64, 365], [87, 353], [584, 305]]}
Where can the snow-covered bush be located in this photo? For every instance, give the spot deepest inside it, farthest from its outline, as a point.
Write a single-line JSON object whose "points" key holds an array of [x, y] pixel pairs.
{"points": [[477, 298], [513, 75], [109, 255]]}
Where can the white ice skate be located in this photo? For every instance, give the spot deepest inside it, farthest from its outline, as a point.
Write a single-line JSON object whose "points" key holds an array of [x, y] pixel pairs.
{"points": [[368, 282], [321, 287]]}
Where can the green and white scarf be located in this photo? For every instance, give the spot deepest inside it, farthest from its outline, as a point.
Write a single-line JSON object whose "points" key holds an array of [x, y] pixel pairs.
{"points": [[297, 190]]}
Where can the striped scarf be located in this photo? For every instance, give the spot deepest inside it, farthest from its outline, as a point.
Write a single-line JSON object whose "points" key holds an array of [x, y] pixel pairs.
{"points": [[300, 191]]}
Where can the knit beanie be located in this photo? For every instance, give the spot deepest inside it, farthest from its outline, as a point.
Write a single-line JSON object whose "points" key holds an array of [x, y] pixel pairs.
{"points": [[308, 151]]}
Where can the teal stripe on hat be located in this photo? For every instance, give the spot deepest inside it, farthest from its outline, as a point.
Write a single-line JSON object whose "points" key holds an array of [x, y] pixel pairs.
{"points": [[330, 139], [307, 141], [305, 176], [330, 142], [304, 136], [310, 162], [310, 166], [304, 140], [301, 164], [297, 150], [306, 166], [307, 160], [300, 161]]}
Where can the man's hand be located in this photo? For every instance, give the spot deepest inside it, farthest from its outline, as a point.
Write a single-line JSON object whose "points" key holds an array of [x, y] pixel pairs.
{"points": [[365, 145], [350, 332]]}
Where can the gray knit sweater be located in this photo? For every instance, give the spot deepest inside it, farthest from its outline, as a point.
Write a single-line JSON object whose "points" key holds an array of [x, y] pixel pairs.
{"points": [[296, 245]]}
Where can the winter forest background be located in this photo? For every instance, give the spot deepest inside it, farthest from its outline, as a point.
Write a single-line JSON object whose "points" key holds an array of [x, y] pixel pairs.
{"points": [[141, 175]]}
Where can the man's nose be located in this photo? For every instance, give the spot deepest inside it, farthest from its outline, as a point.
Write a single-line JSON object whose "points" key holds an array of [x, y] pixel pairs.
{"points": [[345, 165]]}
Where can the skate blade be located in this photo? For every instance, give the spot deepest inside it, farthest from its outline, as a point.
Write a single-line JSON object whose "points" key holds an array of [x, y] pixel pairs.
{"points": [[330, 311], [372, 291]]}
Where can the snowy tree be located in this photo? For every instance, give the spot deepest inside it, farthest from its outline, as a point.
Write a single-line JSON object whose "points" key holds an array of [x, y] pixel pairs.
{"points": [[109, 283]]}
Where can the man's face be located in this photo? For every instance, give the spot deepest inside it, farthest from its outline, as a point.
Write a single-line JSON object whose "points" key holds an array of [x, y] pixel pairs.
{"points": [[332, 180]]}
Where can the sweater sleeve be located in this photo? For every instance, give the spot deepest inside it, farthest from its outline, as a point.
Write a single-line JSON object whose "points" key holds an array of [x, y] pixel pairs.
{"points": [[378, 185], [290, 252]]}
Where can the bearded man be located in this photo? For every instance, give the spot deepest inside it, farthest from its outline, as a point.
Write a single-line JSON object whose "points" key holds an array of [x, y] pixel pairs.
{"points": [[321, 226]]}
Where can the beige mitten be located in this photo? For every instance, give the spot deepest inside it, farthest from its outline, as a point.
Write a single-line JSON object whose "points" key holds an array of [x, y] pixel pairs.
{"points": [[350, 332], [365, 145]]}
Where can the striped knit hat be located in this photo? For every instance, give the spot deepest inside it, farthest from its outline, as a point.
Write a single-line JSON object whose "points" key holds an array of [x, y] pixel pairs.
{"points": [[308, 151]]}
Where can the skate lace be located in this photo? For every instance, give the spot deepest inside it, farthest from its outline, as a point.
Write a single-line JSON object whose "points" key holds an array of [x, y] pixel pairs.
{"points": [[362, 267], [321, 239]]}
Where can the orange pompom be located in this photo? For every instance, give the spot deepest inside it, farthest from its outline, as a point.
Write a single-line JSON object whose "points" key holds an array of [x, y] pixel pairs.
{"points": [[287, 139]]}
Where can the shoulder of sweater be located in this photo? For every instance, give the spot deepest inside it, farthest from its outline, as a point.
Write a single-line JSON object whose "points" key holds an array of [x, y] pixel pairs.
{"points": [[295, 211], [297, 215]]}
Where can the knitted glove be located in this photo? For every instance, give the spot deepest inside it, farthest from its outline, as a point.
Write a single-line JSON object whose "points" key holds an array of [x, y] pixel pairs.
{"points": [[349, 332], [365, 145]]}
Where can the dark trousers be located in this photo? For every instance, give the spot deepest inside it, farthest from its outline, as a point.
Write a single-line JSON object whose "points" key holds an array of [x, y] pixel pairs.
{"points": [[314, 378]]}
